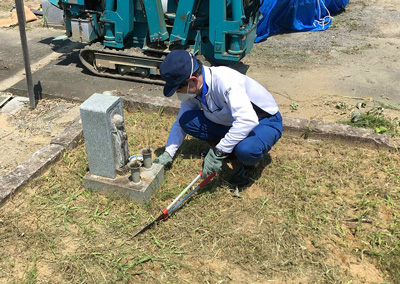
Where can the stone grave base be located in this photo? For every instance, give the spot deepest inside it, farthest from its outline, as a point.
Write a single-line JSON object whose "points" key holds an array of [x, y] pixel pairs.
{"points": [[123, 187]]}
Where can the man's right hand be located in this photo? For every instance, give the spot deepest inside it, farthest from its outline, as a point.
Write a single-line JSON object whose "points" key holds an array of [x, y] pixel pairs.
{"points": [[163, 159], [213, 162]]}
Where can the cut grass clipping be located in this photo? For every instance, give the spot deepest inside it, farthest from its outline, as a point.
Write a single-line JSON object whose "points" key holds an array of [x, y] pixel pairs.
{"points": [[316, 212]]}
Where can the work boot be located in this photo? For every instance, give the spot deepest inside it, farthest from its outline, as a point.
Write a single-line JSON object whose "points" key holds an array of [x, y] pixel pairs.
{"points": [[241, 177]]}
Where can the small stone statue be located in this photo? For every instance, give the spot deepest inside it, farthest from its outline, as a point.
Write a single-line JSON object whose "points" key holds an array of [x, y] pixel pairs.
{"points": [[120, 140]]}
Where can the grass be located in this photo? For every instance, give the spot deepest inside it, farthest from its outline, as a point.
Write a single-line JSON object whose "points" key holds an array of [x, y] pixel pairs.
{"points": [[376, 122], [372, 116], [316, 212]]}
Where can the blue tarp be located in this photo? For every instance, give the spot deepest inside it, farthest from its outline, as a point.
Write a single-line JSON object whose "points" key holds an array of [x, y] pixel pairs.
{"points": [[296, 15]]}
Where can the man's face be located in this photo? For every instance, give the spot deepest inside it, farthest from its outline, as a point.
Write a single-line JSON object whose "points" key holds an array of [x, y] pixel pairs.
{"points": [[189, 87]]}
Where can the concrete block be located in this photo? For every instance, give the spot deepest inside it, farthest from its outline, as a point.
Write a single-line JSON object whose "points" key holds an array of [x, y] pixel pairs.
{"points": [[295, 123], [15, 105], [4, 99], [296, 127], [100, 132], [346, 132], [71, 136], [122, 186], [152, 103]]}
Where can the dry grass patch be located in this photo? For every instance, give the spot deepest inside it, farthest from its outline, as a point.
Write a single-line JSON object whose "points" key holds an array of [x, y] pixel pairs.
{"points": [[316, 212]]}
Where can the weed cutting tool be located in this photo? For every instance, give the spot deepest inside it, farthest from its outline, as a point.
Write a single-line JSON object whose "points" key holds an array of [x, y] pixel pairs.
{"points": [[175, 204]]}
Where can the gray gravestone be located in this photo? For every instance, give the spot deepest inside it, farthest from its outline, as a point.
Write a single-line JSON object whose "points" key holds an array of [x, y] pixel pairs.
{"points": [[105, 137]]}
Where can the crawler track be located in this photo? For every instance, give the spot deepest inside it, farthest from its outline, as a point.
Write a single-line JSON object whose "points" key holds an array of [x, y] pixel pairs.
{"points": [[128, 64]]}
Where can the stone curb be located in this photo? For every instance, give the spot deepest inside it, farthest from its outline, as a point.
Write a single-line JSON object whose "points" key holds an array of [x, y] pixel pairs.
{"points": [[69, 139], [314, 129], [29, 169], [71, 136], [297, 127]]}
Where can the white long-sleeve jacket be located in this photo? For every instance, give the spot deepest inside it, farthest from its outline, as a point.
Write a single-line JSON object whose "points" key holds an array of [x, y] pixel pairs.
{"points": [[229, 98]]}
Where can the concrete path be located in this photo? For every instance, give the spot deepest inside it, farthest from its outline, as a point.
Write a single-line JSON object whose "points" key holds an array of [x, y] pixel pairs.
{"points": [[41, 53], [11, 59], [67, 78]]}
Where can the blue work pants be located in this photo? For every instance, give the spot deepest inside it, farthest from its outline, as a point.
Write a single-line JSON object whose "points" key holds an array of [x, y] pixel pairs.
{"points": [[251, 149]]}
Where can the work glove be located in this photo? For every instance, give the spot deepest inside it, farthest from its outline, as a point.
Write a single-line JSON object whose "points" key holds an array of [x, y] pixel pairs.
{"points": [[213, 162], [163, 159]]}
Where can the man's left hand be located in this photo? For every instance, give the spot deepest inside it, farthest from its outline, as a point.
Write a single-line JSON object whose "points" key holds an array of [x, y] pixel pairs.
{"points": [[212, 162]]}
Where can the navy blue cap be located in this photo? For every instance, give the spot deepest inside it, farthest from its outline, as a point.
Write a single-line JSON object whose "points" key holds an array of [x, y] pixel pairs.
{"points": [[176, 69]]}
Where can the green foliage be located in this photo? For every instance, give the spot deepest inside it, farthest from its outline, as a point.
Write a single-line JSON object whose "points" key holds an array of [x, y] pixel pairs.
{"points": [[372, 120], [341, 105], [31, 277], [294, 106]]}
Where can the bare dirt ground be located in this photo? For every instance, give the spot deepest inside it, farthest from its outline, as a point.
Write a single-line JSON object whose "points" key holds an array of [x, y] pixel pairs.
{"points": [[23, 133], [356, 59]]}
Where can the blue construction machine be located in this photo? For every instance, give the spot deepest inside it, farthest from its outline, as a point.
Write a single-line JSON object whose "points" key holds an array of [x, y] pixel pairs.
{"points": [[130, 38]]}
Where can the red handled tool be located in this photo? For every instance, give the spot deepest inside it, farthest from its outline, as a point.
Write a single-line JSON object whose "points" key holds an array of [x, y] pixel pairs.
{"points": [[167, 211]]}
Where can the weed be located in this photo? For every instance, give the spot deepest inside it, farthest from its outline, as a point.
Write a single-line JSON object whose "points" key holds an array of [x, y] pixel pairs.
{"points": [[294, 106], [373, 120], [341, 105], [31, 276]]}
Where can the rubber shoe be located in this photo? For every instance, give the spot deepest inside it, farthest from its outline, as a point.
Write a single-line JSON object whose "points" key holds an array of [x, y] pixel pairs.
{"points": [[241, 178]]}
